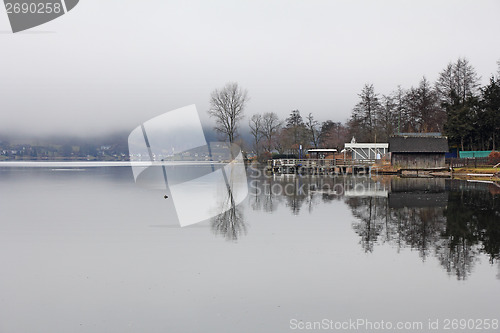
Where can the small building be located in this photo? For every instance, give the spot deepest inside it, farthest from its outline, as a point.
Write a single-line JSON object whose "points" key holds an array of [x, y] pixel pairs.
{"points": [[366, 151], [321, 153], [418, 152]]}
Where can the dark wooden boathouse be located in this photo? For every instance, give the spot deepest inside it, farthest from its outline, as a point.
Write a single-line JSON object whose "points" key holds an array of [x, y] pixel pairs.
{"points": [[418, 151]]}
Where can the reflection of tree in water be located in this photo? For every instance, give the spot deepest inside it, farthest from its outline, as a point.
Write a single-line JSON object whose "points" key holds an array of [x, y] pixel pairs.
{"points": [[457, 250], [455, 227], [454, 221], [417, 228], [295, 195], [457, 259], [230, 224], [488, 217], [296, 191], [371, 215], [471, 228]]}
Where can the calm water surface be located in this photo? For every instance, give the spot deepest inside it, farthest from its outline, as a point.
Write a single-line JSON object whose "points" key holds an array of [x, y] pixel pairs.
{"points": [[87, 250]]}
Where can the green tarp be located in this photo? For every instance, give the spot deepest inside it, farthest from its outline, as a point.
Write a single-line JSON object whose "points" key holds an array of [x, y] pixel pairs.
{"points": [[477, 153]]}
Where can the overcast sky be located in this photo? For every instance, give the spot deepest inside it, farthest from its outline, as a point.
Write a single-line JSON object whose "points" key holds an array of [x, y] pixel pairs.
{"points": [[112, 64]]}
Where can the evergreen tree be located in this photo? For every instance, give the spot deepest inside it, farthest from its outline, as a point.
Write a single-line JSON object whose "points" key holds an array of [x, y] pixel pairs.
{"points": [[295, 130], [461, 120], [490, 123], [364, 115]]}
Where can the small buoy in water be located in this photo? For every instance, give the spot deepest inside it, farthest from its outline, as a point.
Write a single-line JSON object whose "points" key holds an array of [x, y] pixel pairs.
{"points": [[165, 196]]}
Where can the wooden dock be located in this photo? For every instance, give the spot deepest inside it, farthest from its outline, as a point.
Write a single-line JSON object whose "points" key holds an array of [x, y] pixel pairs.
{"points": [[319, 166]]}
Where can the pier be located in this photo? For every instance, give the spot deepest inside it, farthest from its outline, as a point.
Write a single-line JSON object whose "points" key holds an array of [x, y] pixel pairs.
{"points": [[319, 166]]}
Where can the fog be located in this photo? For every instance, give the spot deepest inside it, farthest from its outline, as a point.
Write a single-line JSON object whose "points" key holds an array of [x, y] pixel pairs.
{"points": [[110, 65]]}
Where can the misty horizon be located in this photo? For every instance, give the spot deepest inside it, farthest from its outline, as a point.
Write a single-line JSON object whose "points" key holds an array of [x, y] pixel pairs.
{"points": [[92, 77]]}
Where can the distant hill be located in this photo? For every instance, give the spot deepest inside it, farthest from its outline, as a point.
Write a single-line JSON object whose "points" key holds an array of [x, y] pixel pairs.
{"points": [[113, 146]]}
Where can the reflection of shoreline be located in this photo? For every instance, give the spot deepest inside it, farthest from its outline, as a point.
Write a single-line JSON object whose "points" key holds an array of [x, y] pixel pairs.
{"points": [[453, 221], [295, 191]]}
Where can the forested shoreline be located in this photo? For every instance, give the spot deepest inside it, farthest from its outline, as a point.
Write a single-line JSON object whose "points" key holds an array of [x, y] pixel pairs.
{"points": [[456, 105]]}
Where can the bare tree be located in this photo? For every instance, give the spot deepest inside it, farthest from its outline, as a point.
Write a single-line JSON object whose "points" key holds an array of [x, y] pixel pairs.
{"points": [[312, 128], [467, 79], [227, 106], [271, 125], [458, 80], [256, 129], [423, 108], [402, 118], [387, 117], [446, 84], [333, 135], [281, 141]]}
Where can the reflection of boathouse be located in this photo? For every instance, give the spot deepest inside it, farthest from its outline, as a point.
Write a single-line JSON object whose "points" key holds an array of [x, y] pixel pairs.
{"points": [[417, 192], [418, 151]]}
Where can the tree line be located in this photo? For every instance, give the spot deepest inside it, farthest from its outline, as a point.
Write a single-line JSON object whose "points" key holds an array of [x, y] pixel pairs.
{"points": [[269, 133], [455, 105]]}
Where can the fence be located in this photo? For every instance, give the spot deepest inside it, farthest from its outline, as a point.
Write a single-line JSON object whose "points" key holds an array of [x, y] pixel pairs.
{"points": [[468, 162], [318, 162]]}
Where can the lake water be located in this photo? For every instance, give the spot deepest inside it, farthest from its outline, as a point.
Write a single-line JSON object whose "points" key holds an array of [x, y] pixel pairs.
{"points": [[85, 249]]}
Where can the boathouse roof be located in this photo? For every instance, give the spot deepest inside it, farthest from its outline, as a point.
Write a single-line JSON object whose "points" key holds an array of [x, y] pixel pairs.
{"points": [[418, 144]]}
